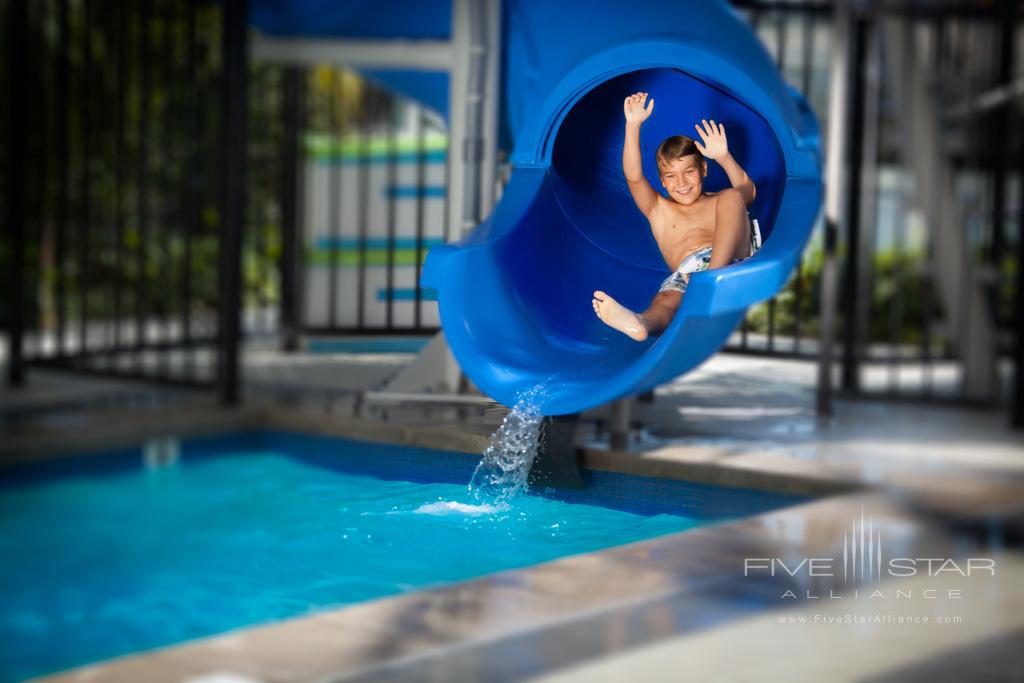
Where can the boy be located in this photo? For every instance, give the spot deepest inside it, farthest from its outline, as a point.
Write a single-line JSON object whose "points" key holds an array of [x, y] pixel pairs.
{"points": [[695, 230]]}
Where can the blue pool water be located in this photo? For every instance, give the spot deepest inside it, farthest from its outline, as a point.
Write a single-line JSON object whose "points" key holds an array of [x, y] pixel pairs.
{"points": [[103, 563]]}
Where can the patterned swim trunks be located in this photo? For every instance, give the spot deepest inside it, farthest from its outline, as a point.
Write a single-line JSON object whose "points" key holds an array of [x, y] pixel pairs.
{"points": [[699, 260]]}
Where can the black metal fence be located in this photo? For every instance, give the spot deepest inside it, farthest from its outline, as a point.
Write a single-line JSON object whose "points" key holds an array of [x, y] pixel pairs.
{"points": [[898, 337], [905, 335], [797, 36], [117, 184], [348, 193], [119, 115], [373, 202]]}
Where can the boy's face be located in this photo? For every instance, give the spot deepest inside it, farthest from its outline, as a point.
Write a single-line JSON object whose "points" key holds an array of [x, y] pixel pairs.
{"points": [[683, 178]]}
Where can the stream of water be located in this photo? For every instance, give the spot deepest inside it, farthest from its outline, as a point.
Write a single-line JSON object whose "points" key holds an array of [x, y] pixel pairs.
{"points": [[504, 469]]}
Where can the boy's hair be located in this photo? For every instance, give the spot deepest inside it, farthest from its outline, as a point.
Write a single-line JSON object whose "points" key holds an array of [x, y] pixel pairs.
{"points": [[676, 147]]}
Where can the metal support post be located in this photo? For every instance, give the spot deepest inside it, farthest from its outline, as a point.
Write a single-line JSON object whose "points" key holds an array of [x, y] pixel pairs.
{"points": [[1017, 409], [555, 464], [618, 422], [472, 111], [835, 192]]}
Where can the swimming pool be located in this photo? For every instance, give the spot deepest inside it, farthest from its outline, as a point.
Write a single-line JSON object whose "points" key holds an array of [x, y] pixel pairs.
{"points": [[106, 556]]}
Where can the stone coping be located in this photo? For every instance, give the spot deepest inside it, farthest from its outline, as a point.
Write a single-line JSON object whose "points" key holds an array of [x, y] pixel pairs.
{"points": [[119, 431]]}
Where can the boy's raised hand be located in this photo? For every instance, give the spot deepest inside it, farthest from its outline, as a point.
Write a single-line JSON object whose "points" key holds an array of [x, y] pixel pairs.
{"points": [[633, 107], [715, 146]]}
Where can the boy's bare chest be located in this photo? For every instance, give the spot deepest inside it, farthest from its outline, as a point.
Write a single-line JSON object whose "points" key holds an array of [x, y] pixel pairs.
{"points": [[680, 233]]}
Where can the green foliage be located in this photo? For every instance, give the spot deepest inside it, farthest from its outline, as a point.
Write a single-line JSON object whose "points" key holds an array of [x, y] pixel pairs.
{"points": [[902, 297], [337, 99], [166, 197], [798, 304]]}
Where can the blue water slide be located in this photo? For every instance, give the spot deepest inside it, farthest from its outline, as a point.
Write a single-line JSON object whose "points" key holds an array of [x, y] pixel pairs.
{"points": [[515, 293]]}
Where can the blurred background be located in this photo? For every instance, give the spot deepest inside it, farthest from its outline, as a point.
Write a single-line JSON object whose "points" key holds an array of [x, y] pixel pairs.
{"points": [[137, 182]]}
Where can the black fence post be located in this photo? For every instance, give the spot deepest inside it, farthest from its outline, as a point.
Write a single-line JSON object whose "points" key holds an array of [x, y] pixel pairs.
{"points": [[292, 105], [17, 123], [84, 279], [235, 69], [63, 166], [1006, 61], [192, 127], [120, 40], [1001, 152], [142, 292], [850, 378], [1018, 334], [334, 196], [391, 154], [420, 182]]}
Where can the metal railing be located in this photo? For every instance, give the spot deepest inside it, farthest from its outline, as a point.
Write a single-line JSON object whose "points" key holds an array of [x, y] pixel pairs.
{"points": [[121, 242], [796, 35], [374, 202], [896, 332]]}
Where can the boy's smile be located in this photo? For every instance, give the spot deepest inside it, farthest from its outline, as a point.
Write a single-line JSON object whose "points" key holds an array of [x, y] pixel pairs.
{"points": [[683, 179]]}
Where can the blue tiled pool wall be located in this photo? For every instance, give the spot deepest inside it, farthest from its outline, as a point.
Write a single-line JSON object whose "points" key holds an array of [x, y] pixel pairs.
{"points": [[653, 496], [87, 464], [625, 492], [386, 461]]}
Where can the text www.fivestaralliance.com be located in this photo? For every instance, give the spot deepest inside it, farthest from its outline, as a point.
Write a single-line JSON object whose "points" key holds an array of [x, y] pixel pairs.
{"points": [[881, 618]]}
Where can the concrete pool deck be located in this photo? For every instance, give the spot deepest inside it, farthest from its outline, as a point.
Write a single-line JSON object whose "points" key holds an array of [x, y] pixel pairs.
{"points": [[944, 480]]}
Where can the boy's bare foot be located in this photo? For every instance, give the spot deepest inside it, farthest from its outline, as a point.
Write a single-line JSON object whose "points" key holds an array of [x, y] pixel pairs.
{"points": [[615, 315]]}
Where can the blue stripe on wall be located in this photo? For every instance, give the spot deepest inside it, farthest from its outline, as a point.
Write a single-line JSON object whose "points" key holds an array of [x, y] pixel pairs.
{"points": [[327, 242], [407, 294], [412, 191]]}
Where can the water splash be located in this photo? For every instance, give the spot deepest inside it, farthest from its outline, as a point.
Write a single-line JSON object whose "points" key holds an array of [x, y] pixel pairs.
{"points": [[449, 508], [505, 467]]}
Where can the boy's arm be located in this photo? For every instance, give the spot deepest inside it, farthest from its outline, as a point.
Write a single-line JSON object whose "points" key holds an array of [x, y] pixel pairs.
{"points": [[716, 147], [632, 167]]}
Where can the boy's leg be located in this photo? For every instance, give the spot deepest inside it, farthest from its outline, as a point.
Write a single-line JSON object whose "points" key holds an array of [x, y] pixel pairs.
{"points": [[638, 326], [661, 311], [732, 230]]}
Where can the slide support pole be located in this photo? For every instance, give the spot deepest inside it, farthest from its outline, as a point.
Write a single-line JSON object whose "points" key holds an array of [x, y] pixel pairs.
{"points": [[556, 463]]}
